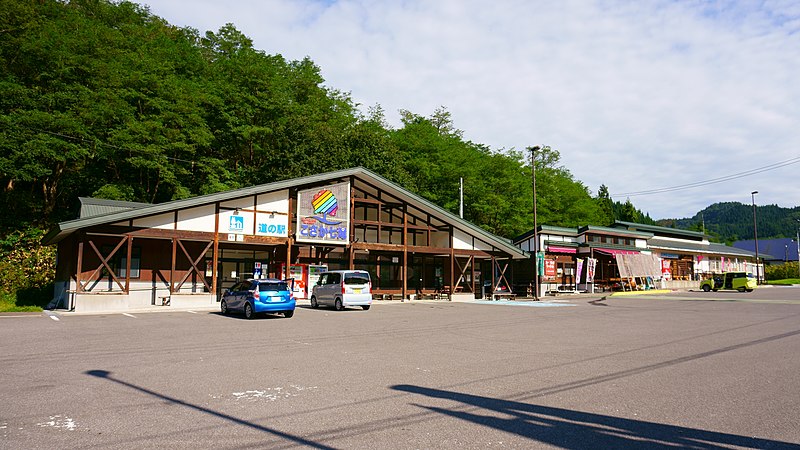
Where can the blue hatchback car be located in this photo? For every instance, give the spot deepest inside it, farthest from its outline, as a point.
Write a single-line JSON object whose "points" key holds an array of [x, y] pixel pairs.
{"points": [[259, 296]]}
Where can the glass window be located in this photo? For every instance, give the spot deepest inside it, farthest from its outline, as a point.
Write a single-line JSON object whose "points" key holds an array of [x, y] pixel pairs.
{"points": [[356, 278], [272, 287], [334, 278]]}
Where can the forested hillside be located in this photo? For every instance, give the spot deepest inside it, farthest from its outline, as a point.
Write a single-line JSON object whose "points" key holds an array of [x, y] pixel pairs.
{"points": [[733, 221], [106, 100]]}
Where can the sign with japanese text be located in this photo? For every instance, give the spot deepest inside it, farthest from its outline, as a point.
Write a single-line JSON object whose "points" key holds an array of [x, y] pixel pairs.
{"points": [[323, 215]]}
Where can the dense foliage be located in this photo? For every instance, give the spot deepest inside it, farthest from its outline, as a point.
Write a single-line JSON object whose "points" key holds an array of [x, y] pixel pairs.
{"points": [[733, 221]]}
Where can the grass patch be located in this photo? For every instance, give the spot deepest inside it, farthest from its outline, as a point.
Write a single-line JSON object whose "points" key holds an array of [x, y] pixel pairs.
{"points": [[26, 300], [784, 282]]}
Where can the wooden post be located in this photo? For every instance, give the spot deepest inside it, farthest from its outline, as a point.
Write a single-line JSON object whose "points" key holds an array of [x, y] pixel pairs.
{"points": [[216, 250], [128, 266], [79, 288], [405, 250], [172, 267], [472, 279], [491, 291], [215, 264]]}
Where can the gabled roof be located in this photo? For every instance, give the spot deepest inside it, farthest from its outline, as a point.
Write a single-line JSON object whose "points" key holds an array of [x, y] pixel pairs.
{"points": [[697, 247], [64, 229], [100, 206], [547, 229], [658, 230], [615, 231]]}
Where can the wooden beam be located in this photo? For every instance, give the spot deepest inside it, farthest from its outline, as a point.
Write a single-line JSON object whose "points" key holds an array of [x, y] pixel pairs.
{"points": [[104, 261], [79, 287]]}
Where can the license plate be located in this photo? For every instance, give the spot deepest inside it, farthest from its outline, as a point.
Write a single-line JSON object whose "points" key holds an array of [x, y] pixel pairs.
{"points": [[276, 299], [356, 291]]}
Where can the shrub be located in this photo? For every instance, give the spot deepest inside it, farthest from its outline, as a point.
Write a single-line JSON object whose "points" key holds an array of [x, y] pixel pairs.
{"points": [[782, 271], [27, 268]]}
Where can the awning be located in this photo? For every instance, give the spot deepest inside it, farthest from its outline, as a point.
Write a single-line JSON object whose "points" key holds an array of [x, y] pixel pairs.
{"points": [[556, 249], [615, 251]]}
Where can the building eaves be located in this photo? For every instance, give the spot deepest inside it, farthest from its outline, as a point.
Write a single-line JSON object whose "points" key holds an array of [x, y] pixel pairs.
{"points": [[614, 231], [657, 230], [63, 229]]}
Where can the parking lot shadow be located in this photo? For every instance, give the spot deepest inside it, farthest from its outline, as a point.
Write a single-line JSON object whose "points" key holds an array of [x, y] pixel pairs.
{"points": [[106, 375], [566, 428]]}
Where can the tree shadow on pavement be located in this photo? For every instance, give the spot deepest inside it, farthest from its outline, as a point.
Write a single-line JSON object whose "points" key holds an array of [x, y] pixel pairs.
{"points": [[579, 430]]}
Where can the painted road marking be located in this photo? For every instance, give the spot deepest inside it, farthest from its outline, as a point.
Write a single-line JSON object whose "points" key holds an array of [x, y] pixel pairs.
{"points": [[193, 312], [531, 304], [129, 315], [52, 316]]}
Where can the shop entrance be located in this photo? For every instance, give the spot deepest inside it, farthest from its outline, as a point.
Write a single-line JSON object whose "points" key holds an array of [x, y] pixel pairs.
{"points": [[235, 265]]}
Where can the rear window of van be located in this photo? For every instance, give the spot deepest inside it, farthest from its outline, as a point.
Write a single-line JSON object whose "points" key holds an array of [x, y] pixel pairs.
{"points": [[356, 278]]}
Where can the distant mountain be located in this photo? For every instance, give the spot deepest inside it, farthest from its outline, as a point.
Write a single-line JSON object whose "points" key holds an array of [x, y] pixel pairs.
{"points": [[733, 221]]}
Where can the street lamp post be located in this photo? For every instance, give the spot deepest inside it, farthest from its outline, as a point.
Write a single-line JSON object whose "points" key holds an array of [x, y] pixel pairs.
{"points": [[755, 232], [535, 226], [798, 247]]}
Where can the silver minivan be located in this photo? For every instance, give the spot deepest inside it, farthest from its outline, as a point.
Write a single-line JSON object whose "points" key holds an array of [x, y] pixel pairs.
{"points": [[341, 288]]}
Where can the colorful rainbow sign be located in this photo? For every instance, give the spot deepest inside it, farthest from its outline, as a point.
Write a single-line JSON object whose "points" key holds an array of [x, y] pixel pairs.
{"points": [[325, 203], [323, 214]]}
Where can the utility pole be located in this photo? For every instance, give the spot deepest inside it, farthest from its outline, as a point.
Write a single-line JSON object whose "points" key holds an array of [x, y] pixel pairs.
{"points": [[755, 233], [535, 226], [798, 247]]}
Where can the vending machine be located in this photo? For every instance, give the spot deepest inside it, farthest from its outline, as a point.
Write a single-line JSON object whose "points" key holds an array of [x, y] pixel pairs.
{"points": [[305, 277]]}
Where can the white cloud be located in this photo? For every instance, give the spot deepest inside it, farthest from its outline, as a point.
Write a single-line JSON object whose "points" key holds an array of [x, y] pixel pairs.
{"points": [[635, 95]]}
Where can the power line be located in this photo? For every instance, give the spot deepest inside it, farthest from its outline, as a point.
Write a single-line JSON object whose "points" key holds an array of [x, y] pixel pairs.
{"points": [[734, 176]]}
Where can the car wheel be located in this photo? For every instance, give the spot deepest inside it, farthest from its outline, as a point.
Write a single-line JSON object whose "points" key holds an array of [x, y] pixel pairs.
{"points": [[288, 314], [749, 290], [339, 305], [314, 303], [741, 289], [706, 288], [715, 290], [365, 307], [248, 311], [223, 307]]}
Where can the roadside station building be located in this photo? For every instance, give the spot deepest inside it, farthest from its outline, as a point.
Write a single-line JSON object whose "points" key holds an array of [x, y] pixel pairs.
{"points": [[593, 257], [125, 255]]}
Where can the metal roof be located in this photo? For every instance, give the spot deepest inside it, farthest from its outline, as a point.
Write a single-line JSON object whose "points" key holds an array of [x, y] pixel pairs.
{"points": [[658, 230], [64, 229], [696, 247], [99, 206]]}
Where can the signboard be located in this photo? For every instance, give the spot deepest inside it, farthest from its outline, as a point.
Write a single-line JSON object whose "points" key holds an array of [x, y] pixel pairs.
{"points": [[323, 215], [579, 270], [549, 268]]}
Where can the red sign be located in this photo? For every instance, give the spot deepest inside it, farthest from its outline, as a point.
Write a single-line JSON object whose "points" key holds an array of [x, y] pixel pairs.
{"points": [[549, 268]]}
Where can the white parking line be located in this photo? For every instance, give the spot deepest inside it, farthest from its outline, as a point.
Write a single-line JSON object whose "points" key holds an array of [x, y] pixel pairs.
{"points": [[129, 315], [193, 312]]}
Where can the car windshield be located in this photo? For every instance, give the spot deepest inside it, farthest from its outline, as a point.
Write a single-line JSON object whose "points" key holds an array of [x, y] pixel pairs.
{"points": [[270, 287], [356, 278]]}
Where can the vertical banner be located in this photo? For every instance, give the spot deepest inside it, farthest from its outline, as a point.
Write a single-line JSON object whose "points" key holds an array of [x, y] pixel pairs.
{"points": [[591, 263], [323, 215], [578, 270], [540, 263]]}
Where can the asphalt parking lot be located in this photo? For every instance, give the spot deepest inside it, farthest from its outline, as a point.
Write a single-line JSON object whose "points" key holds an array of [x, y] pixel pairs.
{"points": [[690, 369]]}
